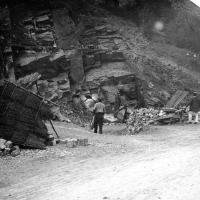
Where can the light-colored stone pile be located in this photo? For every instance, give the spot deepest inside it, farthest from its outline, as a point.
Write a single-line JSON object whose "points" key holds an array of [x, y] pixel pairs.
{"points": [[139, 119], [8, 148], [73, 142]]}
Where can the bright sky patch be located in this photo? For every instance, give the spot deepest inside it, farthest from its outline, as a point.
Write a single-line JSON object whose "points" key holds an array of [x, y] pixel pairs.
{"points": [[197, 2]]}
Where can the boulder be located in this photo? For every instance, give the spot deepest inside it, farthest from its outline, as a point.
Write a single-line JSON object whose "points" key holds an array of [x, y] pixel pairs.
{"points": [[2, 141], [57, 141], [110, 118], [63, 141], [2, 144], [15, 151], [89, 104], [115, 56], [83, 142], [9, 144], [121, 114], [2, 147], [71, 143], [51, 142], [43, 18], [6, 151], [43, 63]]}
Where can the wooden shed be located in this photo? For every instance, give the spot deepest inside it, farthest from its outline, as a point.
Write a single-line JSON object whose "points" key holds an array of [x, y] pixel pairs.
{"points": [[22, 115]]}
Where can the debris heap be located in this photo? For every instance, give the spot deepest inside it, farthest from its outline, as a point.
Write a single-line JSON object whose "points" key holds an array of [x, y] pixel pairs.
{"points": [[21, 117], [7, 148], [140, 119]]}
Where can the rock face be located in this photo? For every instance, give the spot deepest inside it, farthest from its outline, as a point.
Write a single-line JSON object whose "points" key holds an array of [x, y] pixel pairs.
{"points": [[43, 42], [35, 47], [6, 54], [79, 48], [64, 28], [68, 55], [116, 91], [44, 64]]}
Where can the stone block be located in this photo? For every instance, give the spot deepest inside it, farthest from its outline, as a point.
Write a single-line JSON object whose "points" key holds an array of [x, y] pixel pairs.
{"points": [[64, 86], [50, 137], [86, 143], [6, 151], [15, 151], [63, 141], [57, 141], [2, 141], [83, 142], [121, 114], [112, 56], [100, 28], [51, 142], [2, 147], [9, 144], [42, 18], [46, 36], [71, 143]]}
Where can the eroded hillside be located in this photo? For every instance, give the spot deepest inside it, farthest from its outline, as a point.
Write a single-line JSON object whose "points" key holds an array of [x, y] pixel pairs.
{"points": [[82, 46]]}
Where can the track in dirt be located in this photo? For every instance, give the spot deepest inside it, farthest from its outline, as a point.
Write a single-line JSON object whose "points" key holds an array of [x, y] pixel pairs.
{"points": [[168, 168]]}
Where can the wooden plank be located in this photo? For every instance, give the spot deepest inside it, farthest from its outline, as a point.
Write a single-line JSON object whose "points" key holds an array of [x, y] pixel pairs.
{"points": [[171, 102], [184, 94], [176, 99]]}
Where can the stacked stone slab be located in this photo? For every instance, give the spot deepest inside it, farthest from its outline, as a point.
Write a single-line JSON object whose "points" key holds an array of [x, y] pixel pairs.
{"points": [[52, 42], [116, 91], [34, 44], [73, 142]]}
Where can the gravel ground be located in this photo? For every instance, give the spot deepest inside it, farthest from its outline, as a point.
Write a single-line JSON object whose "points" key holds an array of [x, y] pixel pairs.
{"points": [[28, 175]]}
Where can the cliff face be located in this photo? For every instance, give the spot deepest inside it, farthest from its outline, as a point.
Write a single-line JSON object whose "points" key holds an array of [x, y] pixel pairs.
{"points": [[106, 48]]}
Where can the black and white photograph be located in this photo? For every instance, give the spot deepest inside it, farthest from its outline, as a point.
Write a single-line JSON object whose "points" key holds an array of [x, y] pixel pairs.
{"points": [[99, 99]]}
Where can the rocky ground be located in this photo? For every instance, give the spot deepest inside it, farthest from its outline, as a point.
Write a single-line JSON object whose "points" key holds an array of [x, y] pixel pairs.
{"points": [[160, 163]]}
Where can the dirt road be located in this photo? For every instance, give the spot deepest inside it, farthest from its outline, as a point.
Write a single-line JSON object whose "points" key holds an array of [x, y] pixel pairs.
{"points": [[163, 163]]}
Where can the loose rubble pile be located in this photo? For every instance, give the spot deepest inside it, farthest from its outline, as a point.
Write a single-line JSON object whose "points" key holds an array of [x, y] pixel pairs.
{"points": [[8, 148], [140, 119], [173, 112], [76, 112], [69, 142]]}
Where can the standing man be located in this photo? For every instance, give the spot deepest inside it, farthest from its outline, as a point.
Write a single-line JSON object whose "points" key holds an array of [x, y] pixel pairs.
{"points": [[99, 111], [194, 108]]}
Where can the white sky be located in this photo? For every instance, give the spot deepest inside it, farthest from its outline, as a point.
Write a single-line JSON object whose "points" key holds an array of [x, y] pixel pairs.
{"points": [[197, 2]]}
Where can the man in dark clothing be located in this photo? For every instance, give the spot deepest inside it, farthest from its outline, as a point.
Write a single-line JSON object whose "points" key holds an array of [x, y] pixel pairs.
{"points": [[194, 108], [99, 110]]}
